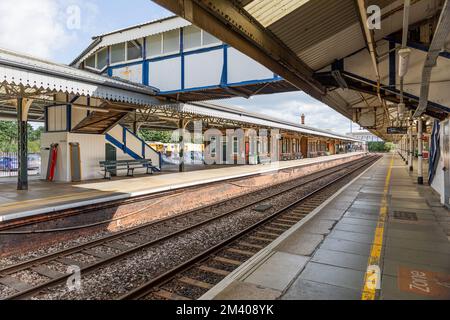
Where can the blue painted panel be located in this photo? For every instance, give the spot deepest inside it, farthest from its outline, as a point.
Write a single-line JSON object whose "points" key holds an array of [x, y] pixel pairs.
{"points": [[119, 145]]}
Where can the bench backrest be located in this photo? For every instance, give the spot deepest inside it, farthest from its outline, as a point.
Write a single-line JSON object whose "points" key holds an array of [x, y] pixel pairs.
{"points": [[114, 163]]}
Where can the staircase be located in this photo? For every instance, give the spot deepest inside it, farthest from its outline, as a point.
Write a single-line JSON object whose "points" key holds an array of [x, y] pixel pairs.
{"points": [[132, 145], [99, 122]]}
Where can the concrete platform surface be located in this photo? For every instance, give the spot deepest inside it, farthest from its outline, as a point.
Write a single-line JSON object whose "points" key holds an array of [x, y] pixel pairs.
{"points": [[379, 238], [43, 197]]}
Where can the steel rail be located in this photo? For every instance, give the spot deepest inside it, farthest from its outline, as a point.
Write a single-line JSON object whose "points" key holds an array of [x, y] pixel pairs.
{"points": [[124, 234], [45, 258], [149, 286]]}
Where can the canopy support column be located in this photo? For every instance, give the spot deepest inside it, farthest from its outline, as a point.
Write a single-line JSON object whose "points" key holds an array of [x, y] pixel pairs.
{"points": [[181, 125], [22, 174], [419, 152], [411, 151]]}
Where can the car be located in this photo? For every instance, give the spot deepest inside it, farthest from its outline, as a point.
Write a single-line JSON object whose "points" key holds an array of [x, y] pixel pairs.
{"points": [[168, 160], [9, 164], [34, 162]]}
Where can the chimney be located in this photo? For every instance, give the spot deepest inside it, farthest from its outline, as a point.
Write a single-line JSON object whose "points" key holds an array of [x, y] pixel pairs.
{"points": [[303, 119]]}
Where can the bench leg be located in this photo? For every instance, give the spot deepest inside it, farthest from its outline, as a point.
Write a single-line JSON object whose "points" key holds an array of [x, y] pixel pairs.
{"points": [[132, 172], [108, 175]]}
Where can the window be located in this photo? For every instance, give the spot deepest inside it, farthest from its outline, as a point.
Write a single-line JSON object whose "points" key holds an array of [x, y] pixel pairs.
{"points": [[134, 50], [90, 62], [171, 41], [192, 37], [154, 45], [102, 59], [209, 39], [118, 53]]}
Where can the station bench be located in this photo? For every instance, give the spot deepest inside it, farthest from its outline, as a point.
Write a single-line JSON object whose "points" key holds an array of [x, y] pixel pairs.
{"points": [[112, 166]]}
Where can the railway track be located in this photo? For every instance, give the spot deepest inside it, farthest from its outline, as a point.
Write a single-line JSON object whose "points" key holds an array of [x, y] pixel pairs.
{"points": [[196, 276], [118, 246]]}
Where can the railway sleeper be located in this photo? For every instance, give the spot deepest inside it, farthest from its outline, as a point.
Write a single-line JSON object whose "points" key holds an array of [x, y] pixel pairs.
{"points": [[195, 283]]}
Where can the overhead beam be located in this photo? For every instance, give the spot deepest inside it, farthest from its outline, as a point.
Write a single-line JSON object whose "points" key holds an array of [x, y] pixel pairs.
{"points": [[234, 26]]}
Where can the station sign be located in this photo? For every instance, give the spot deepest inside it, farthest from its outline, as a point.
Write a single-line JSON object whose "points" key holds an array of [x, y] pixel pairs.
{"points": [[397, 130]]}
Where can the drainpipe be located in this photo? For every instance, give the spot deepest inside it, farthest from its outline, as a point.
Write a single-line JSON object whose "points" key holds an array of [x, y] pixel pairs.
{"points": [[419, 152]]}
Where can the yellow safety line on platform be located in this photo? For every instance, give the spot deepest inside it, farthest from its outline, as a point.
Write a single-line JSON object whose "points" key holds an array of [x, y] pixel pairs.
{"points": [[372, 279]]}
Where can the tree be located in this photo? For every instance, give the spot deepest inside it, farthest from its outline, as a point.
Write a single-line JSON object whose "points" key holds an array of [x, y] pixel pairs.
{"points": [[9, 137], [380, 146], [155, 136]]}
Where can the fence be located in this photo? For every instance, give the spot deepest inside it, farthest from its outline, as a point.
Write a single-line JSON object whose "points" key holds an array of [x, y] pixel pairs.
{"points": [[9, 164]]}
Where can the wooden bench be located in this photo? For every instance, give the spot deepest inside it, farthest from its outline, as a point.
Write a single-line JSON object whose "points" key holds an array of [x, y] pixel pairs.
{"points": [[109, 166]]}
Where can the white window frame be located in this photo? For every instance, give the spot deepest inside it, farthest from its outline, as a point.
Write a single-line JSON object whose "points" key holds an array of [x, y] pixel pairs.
{"points": [[163, 54], [148, 56], [96, 61], [120, 62], [126, 61], [107, 59], [126, 51], [202, 46]]}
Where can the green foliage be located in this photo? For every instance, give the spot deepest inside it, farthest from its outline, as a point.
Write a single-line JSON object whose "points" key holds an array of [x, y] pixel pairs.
{"points": [[9, 137], [380, 146], [155, 136]]}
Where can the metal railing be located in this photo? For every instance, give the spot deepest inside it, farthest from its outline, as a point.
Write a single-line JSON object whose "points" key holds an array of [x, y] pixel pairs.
{"points": [[9, 164]]}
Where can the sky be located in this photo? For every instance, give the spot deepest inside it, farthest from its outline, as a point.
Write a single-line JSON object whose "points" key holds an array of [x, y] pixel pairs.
{"points": [[58, 30]]}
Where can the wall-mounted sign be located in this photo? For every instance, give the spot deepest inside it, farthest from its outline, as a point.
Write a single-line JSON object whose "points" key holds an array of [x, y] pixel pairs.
{"points": [[397, 130]]}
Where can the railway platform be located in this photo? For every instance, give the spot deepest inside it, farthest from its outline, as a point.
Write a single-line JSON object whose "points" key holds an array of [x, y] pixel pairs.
{"points": [[46, 197], [382, 236]]}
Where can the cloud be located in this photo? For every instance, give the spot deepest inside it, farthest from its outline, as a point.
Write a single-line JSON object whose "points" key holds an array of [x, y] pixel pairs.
{"points": [[290, 106], [40, 28]]}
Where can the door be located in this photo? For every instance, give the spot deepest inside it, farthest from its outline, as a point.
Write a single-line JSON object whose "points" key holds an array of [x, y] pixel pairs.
{"points": [[111, 155], [304, 147], [75, 161]]}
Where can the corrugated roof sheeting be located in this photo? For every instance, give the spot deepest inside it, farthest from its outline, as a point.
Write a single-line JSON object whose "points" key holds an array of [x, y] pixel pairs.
{"points": [[269, 11], [314, 22], [30, 72], [340, 45]]}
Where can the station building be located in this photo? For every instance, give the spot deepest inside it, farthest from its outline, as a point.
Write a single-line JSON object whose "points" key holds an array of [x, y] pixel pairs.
{"points": [[178, 67]]}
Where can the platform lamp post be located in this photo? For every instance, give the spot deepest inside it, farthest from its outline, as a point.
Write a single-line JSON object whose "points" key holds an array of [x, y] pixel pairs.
{"points": [[419, 151], [22, 116], [181, 125]]}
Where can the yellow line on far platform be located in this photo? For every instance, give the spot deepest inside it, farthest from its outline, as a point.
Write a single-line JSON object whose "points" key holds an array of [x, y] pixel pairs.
{"points": [[372, 278]]}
